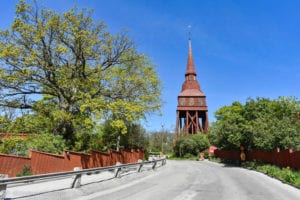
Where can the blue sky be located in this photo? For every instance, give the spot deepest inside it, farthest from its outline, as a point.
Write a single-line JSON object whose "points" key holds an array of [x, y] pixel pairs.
{"points": [[241, 49]]}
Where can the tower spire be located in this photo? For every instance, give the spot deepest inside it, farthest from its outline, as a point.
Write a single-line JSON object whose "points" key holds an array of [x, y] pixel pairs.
{"points": [[190, 67], [192, 111]]}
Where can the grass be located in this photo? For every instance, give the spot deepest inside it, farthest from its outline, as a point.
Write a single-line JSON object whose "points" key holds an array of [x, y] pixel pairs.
{"points": [[193, 157], [214, 159], [286, 175], [185, 157]]}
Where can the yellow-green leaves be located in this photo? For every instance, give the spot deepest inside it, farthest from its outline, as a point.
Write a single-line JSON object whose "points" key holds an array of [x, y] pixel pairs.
{"points": [[74, 72], [119, 126], [60, 49]]}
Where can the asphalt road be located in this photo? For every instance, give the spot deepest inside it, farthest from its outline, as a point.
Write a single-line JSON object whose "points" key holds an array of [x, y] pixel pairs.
{"points": [[184, 180]]}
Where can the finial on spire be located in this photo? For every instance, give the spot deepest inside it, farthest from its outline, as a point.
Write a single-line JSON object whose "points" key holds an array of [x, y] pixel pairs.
{"points": [[189, 28]]}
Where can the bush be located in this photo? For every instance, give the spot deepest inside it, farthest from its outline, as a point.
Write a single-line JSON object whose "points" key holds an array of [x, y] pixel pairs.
{"points": [[286, 175], [26, 171], [21, 146], [14, 146], [189, 156], [49, 143], [258, 124], [191, 145]]}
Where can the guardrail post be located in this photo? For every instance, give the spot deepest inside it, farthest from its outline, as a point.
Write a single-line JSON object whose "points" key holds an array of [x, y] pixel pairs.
{"points": [[118, 170], [77, 178], [3, 187], [154, 165], [163, 162], [140, 166]]}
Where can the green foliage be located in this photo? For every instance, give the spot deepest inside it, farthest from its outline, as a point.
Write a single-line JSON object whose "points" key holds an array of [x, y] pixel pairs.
{"points": [[28, 123], [146, 151], [135, 137], [110, 135], [259, 124], [89, 140], [202, 142], [71, 73], [289, 177], [14, 146], [187, 156], [47, 143], [214, 159], [22, 145], [286, 175], [4, 123], [161, 141], [26, 171], [191, 145]]}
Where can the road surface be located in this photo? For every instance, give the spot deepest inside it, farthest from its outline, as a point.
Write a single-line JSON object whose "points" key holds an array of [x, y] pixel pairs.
{"points": [[183, 180]]}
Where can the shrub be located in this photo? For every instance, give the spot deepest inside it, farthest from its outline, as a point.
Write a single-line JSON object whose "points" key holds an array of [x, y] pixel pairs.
{"points": [[189, 156], [49, 143], [202, 142], [288, 176], [14, 146], [21, 146], [191, 145], [26, 171]]}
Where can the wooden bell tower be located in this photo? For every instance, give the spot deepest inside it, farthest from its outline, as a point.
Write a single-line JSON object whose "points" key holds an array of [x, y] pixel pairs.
{"points": [[192, 112]]}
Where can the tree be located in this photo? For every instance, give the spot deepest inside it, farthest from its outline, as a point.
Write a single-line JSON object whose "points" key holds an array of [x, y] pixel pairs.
{"points": [[29, 123], [134, 138], [74, 72], [162, 140], [259, 124], [191, 145], [228, 130], [7, 115]]}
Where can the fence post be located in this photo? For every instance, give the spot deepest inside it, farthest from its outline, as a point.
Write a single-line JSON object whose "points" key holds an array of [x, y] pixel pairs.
{"points": [[140, 166], [77, 178], [3, 187], [118, 170]]}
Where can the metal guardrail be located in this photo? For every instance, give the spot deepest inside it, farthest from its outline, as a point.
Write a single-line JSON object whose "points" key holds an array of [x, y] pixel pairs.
{"points": [[77, 173]]}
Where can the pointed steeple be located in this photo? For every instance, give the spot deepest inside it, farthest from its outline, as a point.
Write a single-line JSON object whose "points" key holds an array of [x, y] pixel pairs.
{"points": [[190, 67], [190, 86], [192, 112]]}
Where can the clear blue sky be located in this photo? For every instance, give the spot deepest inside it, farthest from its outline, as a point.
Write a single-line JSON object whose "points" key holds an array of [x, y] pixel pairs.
{"points": [[241, 49]]}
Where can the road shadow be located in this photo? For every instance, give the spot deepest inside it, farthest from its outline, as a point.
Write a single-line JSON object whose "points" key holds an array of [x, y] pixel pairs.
{"points": [[231, 163]]}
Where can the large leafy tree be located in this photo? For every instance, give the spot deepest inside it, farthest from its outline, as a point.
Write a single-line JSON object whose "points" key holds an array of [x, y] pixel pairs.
{"points": [[73, 72], [230, 129], [259, 124]]}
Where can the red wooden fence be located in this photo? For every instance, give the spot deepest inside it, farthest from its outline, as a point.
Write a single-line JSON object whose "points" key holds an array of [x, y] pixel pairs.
{"points": [[41, 163], [286, 158]]}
